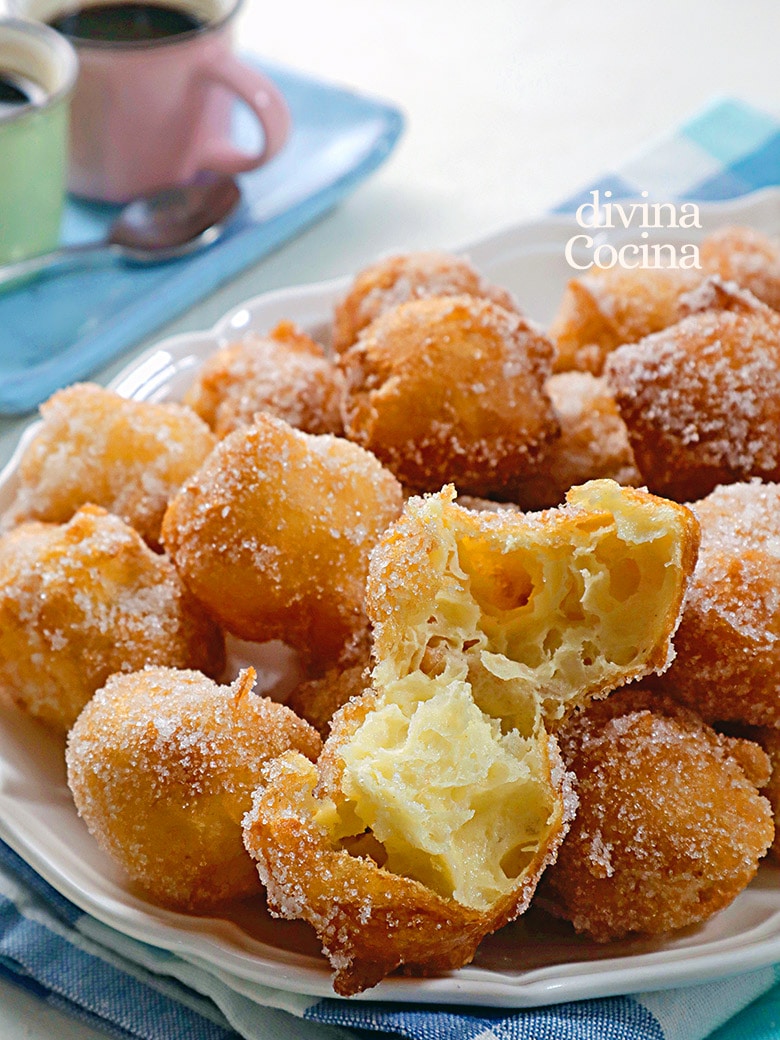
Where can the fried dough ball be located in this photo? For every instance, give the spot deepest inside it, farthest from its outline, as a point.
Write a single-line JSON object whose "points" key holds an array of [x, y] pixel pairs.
{"points": [[715, 294], [450, 389], [747, 257], [86, 599], [670, 827], [372, 919], [768, 738], [273, 534], [95, 446], [611, 306], [568, 603], [593, 442], [728, 644], [701, 400], [285, 373], [318, 700], [162, 764], [439, 797], [408, 276]]}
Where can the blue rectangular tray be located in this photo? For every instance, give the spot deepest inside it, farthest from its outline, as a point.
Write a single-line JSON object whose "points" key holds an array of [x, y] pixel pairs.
{"points": [[60, 329]]}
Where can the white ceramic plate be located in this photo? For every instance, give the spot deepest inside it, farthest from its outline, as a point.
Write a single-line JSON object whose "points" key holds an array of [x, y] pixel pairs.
{"points": [[533, 962]]}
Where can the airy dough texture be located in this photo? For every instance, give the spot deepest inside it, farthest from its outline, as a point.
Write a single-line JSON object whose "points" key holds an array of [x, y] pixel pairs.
{"points": [[369, 919], [162, 764], [95, 446], [571, 602], [439, 796], [85, 599]]}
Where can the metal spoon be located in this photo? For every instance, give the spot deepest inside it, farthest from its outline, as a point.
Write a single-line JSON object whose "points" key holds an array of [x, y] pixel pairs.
{"points": [[168, 224]]}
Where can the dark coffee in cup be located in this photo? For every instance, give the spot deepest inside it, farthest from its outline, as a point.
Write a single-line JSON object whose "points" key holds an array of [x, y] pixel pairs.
{"points": [[11, 93], [16, 90], [125, 22]]}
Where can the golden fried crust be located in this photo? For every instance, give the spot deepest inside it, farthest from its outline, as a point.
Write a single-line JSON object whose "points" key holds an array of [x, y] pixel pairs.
{"points": [[285, 373], [86, 599], [769, 740], [669, 827], [439, 796], [410, 276], [450, 390], [95, 446], [609, 307], [593, 443], [318, 700], [162, 764], [369, 920], [747, 257], [715, 294], [728, 656], [583, 598], [273, 534], [701, 401]]}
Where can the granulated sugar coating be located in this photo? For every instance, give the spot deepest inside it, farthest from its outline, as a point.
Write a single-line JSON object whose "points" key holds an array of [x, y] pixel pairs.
{"points": [[285, 373], [701, 401], [369, 919], [439, 797], [769, 739], [273, 536], [728, 643], [445, 642], [745, 256], [95, 446], [609, 307], [317, 700], [162, 764], [451, 389], [410, 276], [715, 294], [670, 825], [612, 306], [81, 601], [593, 442]]}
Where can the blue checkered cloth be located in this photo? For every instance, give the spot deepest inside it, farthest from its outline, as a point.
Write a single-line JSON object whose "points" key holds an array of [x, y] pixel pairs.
{"points": [[727, 150], [131, 990]]}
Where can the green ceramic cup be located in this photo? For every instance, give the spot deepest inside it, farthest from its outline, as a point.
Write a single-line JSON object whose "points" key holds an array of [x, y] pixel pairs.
{"points": [[38, 65]]}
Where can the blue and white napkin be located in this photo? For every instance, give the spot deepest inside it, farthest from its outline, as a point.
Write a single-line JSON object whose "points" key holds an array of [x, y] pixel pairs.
{"points": [[131, 990]]}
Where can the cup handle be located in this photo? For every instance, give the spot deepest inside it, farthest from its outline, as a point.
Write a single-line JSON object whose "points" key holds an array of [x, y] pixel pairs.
{"points": [[268, 104]]}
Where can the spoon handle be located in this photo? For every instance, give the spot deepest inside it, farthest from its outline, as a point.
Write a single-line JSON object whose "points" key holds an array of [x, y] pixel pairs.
{"points": [[89, 254]]}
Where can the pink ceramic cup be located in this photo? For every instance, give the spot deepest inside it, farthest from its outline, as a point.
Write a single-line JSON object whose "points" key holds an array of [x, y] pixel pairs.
{"points": [[147, 114]]}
